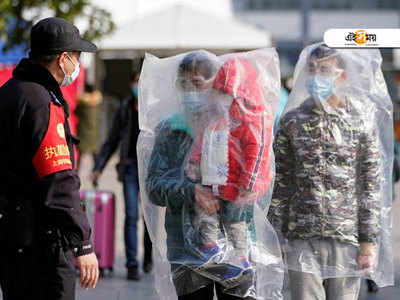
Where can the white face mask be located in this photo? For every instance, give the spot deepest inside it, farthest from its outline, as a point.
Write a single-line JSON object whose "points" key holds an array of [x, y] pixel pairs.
{"points": [[68, 79]]}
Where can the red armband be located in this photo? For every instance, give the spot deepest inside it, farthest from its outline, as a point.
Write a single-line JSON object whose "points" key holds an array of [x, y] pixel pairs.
{"points": [[53, 154]]}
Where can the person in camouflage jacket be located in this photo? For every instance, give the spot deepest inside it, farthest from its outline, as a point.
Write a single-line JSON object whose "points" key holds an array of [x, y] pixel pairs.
{"points": [[326, 197], [320, 192]]}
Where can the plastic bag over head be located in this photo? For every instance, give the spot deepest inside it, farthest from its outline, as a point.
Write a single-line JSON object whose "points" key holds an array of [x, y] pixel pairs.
{"points": [[206, 171], [334, 157]]}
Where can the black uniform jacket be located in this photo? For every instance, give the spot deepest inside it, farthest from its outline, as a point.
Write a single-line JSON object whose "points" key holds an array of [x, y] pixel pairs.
{"points": [[39, 188]]}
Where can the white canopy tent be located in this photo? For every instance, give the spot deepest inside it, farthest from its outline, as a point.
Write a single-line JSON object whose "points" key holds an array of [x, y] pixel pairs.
{"points": [[181, 27], [174, 28]]}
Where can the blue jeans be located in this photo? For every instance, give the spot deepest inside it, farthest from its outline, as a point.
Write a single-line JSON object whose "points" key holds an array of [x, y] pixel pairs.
{"points": [[131, 190]]}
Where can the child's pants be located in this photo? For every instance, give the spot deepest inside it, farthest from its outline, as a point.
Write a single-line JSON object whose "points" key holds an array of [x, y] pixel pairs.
{"points": [[233, 217]]}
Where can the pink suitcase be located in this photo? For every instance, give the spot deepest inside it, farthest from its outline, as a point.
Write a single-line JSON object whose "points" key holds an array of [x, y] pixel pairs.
{"points": [[100, 208]]}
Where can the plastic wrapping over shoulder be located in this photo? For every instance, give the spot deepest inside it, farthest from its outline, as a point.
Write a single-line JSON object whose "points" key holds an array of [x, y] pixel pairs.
{"points": [[207, 169], [334, 158]]}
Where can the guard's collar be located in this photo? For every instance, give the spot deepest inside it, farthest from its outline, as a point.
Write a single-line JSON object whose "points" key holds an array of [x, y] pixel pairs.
{"points": [[29, 70]]}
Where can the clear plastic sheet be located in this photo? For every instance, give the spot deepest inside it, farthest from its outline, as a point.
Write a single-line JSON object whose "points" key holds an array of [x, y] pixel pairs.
{"points": [[206, 171], [334, 156]]}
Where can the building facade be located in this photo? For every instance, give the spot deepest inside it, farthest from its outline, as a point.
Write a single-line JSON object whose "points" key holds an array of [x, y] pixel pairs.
{"points": [[284, 20]]}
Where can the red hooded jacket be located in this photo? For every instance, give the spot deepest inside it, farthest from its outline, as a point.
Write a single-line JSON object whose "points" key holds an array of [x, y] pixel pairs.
{"points": [[250, 136]]}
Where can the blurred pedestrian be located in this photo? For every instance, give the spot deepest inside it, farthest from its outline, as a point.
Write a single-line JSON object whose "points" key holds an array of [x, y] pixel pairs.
{"points": [[125, 131], [42, 223], [88, 112]]}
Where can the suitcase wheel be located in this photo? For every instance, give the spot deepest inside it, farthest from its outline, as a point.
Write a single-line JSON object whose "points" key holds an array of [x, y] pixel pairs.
{"points": [[106, 272]]}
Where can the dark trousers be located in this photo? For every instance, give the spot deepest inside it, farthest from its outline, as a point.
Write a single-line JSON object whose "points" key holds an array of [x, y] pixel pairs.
{"points": [[207, 293], [131, 195], [131, 191], [42, 274], [147, 245]]}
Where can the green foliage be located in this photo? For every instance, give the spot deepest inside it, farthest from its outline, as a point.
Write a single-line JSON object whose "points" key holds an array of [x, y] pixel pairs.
{"points": [[22, 14]]}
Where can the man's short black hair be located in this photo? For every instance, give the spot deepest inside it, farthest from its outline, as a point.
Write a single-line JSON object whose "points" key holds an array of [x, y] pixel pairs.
{"points": [[45, 59], [197, 62], [323, 51]]}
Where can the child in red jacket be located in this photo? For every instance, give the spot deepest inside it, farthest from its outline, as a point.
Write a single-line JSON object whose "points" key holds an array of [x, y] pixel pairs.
{"points": [[232, 157]]}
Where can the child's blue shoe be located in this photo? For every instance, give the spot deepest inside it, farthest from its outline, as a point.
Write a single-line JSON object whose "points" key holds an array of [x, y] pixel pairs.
{"points": [[235, 275], [209, 254]]}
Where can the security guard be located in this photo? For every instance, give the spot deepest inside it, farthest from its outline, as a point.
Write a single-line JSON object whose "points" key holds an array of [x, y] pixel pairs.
{"points": [[42, 224]]}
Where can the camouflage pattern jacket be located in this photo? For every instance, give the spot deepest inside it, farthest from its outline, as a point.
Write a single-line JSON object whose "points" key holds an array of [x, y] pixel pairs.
{"points": [[327, 174]]}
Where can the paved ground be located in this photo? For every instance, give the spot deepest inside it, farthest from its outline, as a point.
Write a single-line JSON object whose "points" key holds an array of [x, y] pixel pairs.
{"points": [[117, 288]]}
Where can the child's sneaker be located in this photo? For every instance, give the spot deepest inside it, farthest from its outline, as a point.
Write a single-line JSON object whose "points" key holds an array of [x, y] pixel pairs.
{"points": [[236, 274], [244, 263], [232, 276], [209, 254], [228, 275]]}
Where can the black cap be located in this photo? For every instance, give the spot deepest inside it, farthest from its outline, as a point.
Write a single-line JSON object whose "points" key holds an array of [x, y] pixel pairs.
{"points": [[56, 35]]}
